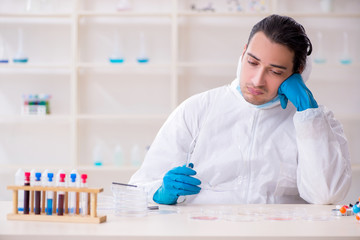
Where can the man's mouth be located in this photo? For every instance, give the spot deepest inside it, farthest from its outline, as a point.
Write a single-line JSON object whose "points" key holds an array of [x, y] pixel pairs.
{"points": [[254, 91]]}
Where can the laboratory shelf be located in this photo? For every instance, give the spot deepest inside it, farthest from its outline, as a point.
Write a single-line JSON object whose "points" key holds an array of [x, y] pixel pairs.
{"points": [[355, 167], [113, 168], [331, 80], [124, 14], [124, 65], [206, 64], [33, 66], [222, 14], [79, 168], [34, 118], [123, 117], [35, 15], [355, 65], [36, 20], [321, 15], [41, 168], [348, 117]]}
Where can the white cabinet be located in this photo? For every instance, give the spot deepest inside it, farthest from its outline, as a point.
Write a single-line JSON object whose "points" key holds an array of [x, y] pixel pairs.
{"points": [[97, 103]]}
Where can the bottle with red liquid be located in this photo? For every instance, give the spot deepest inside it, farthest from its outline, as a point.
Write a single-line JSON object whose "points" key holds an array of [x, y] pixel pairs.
{"points": [[61, 195], [27, 194]]}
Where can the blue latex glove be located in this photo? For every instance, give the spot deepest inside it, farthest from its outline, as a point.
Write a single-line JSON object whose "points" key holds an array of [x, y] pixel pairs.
{"points": [[177, 182], [295, 90]]}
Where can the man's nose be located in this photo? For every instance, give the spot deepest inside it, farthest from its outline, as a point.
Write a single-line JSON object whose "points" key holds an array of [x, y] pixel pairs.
{"points": [[259, 78]]}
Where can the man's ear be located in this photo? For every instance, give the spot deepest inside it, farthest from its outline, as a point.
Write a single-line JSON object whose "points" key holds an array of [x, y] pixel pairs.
{"points": [[301, 69], [244, 50]]}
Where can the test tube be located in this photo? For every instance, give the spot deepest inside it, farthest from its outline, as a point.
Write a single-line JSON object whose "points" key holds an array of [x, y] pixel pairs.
{"points": [[345, 58], [72, 195], [117, 55], [61, 196], [20, 56], [319, 56], [3, 51], [84, 196], [27, 193], [49, 195], [142, 58], [37, 194], [19, 181]]}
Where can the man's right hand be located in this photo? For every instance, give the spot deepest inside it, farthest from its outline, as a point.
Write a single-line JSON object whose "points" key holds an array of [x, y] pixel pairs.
{"points": [[177, 182]]}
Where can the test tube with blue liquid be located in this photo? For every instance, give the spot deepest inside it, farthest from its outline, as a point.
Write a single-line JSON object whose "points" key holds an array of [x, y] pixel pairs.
{"points": [[20, 56], [117, 55], [98, 155], [3, 53], [345, 58], [37, 194], [49, 195], [72, 195], [142, 57]]}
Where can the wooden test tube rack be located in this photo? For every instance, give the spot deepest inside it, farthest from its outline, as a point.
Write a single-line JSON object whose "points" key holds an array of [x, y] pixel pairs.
{"points": [[91, 216]]}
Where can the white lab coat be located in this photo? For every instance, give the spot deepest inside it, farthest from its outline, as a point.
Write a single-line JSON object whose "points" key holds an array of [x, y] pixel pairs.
{"points": [[244, 154]]}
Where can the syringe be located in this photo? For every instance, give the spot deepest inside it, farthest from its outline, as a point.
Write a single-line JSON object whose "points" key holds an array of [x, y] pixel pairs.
{"points": [[190, 152], [182, 199]]}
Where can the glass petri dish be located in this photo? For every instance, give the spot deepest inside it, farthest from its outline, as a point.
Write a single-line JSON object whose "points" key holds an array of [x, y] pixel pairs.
{"points": [[204, 216], [240, 218]]}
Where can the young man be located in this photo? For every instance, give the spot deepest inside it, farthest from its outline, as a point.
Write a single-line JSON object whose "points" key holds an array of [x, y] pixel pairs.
{"points": [[247, 142]]}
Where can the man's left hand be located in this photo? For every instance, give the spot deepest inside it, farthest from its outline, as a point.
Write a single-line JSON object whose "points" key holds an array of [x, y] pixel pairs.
{"points": [[295, 90]]}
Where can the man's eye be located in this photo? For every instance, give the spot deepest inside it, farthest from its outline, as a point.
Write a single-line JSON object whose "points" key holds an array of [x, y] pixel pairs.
{"points": [[252, 63], [276, 73]]}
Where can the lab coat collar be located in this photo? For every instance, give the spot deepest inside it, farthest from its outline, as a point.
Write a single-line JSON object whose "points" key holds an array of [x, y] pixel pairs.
{"points": [[236, 89]]}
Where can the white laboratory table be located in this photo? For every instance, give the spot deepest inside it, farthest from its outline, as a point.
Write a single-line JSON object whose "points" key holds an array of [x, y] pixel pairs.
{"points": [[176, 222]]}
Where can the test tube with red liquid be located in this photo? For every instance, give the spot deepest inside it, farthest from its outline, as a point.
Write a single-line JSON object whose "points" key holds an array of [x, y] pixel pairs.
{"points": [[27, 194], [61, 196]]}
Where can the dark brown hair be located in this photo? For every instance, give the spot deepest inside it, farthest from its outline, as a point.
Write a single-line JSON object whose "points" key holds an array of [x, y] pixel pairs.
{"points": [[286, 31]]}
